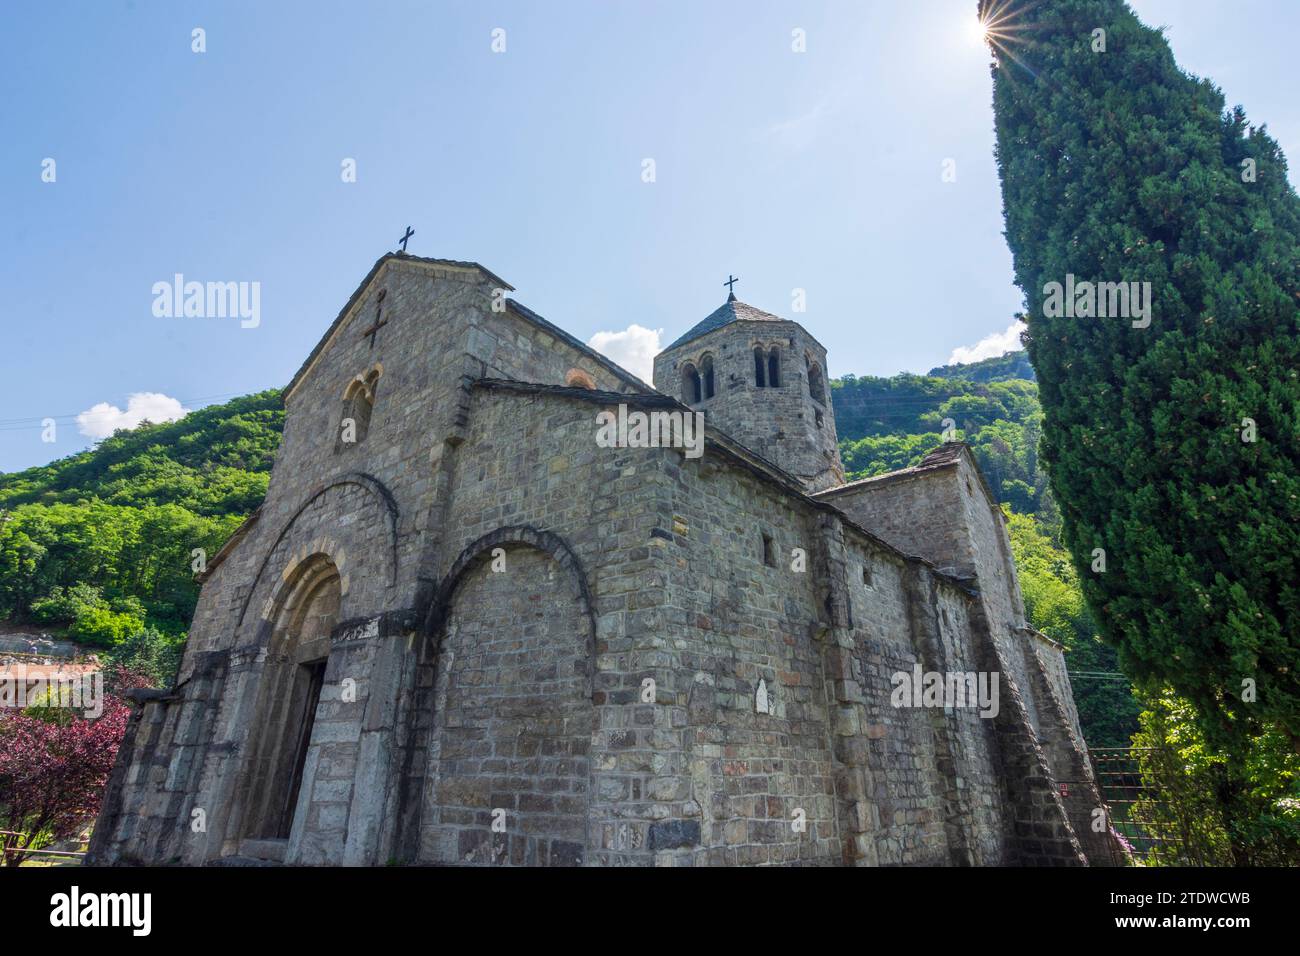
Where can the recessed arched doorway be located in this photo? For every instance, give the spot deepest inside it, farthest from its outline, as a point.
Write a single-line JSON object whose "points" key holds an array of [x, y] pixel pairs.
{"points": [[289, 692]]}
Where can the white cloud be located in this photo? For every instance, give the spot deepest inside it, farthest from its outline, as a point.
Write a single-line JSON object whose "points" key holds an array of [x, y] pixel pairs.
{"points": [[634, 348], [991, 346], [100, 421]]}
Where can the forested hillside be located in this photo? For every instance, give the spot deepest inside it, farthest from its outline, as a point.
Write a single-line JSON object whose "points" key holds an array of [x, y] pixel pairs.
{"points": [[1011, 365], [101, 544], [890, 423]]}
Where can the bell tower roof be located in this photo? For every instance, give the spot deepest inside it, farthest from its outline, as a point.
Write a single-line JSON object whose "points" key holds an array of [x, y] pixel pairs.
{"points": [[733, 310]]}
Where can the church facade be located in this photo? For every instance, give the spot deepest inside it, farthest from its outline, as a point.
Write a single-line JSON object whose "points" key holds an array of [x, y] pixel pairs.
{"points": [[462, 631]]}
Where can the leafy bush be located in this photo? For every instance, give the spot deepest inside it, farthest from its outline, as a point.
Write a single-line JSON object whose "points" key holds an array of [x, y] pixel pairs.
{"points": [[88, 617], [150, 654], [1218, 808], [53, 770]]}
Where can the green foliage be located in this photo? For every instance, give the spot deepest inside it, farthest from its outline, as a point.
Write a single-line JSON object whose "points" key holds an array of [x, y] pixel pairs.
{"points": [[48, 708], [877, 454], [1119, 167], [102, 544], [148, 653], [1218, 808], [88, 617], [891, 423]]}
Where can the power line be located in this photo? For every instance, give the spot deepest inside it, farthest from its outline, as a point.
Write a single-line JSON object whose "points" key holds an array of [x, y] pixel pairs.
{"points": [[19, 424]]}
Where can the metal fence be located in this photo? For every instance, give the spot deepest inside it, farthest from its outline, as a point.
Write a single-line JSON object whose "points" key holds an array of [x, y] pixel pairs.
{"points": [[16, 851], [1143, 809]]}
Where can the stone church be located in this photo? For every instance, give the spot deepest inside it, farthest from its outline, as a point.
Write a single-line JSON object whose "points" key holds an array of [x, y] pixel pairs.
{"points": [[459, 631]]}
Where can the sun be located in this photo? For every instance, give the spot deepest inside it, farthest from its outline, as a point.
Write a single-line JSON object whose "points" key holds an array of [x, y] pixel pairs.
{"points": [[997, 24]]}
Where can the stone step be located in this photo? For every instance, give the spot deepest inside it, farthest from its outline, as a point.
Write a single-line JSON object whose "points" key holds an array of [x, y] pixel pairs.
{"points": [[240, 861], [271, 850]]}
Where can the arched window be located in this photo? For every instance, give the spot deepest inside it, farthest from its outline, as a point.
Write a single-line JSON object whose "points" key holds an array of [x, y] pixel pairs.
{"points": [[759, 362], [577, 378], [358, 407], [690, 385], [774, 368], [816, 386], [706, 373]]}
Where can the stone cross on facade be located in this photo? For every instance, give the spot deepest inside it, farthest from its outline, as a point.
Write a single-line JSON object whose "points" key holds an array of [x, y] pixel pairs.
{"points": [[374, 329]]}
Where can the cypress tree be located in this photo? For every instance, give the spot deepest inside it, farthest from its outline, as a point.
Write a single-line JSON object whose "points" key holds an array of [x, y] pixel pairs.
{"points": [[1172, 446]]}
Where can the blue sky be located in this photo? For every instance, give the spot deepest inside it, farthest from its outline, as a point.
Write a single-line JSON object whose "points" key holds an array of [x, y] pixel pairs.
{"points": [[818, 171]]}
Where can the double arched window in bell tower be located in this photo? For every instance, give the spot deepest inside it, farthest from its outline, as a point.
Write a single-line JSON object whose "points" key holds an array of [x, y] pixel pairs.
{"points": [[698, 383], [767, 367]]}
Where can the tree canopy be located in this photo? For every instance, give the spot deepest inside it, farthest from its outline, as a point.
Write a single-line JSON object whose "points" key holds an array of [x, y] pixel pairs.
{"points": [[1170, 438]]}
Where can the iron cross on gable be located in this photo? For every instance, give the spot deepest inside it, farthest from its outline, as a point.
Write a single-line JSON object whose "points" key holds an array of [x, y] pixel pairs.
{"points": [[409, 233], [730, 284], [379, 324]]}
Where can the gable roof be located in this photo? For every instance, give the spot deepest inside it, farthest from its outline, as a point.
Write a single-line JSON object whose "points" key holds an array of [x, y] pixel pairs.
{"points": [[360, 290], [733, 310], [521, 310]]}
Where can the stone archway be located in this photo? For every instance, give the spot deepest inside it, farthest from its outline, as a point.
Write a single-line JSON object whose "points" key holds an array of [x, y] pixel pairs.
{"points": [[306, 611], [511, 709]]}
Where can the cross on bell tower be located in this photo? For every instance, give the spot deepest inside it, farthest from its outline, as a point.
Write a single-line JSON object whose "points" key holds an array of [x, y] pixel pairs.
{"points": [[730, 284]]}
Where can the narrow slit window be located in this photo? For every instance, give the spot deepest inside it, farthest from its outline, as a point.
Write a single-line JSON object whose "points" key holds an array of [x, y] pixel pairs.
{"points": [[816, 384], [358, 408]]}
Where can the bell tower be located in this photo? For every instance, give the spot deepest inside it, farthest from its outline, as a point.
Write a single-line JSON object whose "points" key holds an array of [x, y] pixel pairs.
{"points": [[762, 380]]}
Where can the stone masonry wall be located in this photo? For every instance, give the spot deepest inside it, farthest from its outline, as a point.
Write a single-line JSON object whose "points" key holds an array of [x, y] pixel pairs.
{"points": [[684, 595], [512, 720], [935, 770], [942, 515], [740, 611], [530, 460]]}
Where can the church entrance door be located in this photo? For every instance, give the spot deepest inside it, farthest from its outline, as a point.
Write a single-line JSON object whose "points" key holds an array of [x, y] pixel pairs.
{"points": [[288, 697]]}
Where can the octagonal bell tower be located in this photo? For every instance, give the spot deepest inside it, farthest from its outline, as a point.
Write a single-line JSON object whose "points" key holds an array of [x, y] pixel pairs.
{"points": [[762, 380]]}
